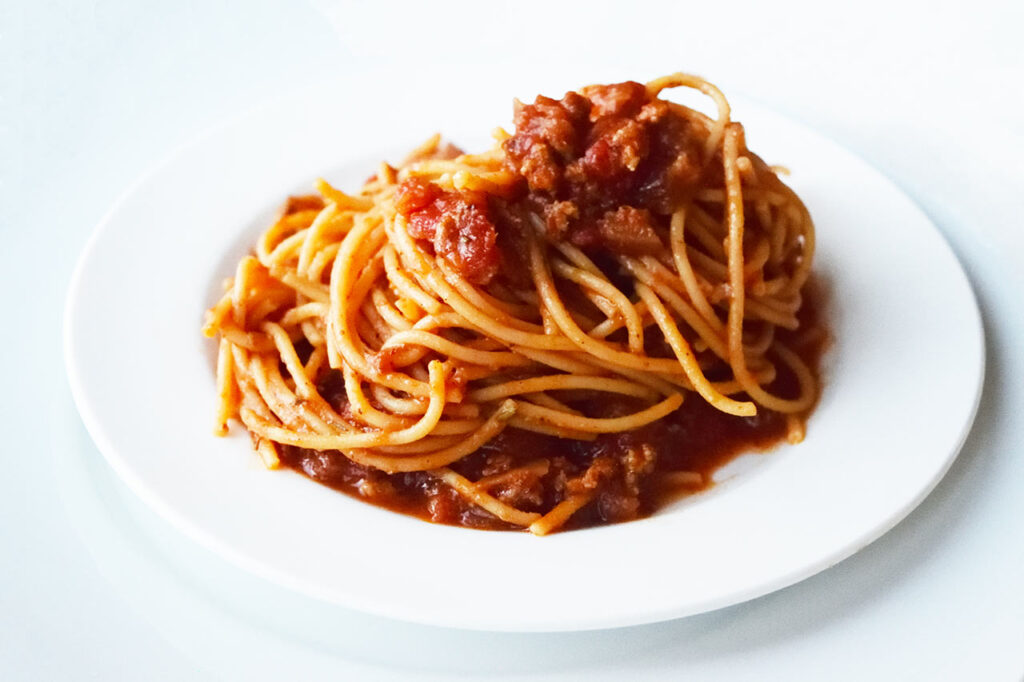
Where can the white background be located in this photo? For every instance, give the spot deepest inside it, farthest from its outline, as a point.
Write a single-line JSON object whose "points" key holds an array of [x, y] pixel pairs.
{"points": [[94, 586]]}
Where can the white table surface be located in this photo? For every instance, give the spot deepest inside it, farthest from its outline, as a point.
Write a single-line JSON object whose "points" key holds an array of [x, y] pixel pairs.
{"points": [[94, 586]]}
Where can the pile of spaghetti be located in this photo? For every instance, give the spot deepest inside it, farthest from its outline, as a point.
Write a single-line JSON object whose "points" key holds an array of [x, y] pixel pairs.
{"points": [[492, 339]]}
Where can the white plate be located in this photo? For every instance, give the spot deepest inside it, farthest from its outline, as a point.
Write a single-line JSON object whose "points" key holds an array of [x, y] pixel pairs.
{"points": [[903, 382]]}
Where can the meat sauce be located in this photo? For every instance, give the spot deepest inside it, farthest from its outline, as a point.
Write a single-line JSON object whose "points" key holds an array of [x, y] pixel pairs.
{"points": [[605, 165], [457, 224], [695, 438], [603, 168], [633, 478]]}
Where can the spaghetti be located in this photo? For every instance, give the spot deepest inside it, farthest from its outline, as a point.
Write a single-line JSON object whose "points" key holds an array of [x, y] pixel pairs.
{"points": [[517, 335]]}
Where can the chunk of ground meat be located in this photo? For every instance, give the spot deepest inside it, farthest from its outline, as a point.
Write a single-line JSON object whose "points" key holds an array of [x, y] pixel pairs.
{"points": [[629, 230], [605, 167], [458, 225]]}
